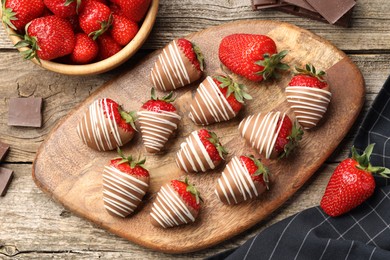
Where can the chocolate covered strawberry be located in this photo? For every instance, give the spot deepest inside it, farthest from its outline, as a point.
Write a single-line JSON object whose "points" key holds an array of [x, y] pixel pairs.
{"points": [[217, 99], [177, 203], [272, 134], [95, 18], [242, 179], [309, 95], [85, 49], [180, 63], [125, 182], [253, 56], [48, 38], [201, 151], [17, 13], [106, 126], [158, 120], [134, 10], [351, 183]]}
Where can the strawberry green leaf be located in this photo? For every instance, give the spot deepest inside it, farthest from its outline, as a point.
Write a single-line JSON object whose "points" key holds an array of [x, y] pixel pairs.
{"points": [[293, 140], [272, 65], [191, 189], [8, 15], [239, 90], [261, 170], [310, 70], [364, 162], [199, 56], [130, 118], [104, 26]]}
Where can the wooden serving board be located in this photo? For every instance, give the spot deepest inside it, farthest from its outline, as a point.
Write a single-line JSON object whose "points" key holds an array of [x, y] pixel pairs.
{"points": [[71, 173]]}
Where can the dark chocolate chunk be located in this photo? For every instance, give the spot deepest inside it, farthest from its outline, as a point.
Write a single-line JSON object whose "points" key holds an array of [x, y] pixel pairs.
{"points": [[264, 4], [25, 112], [3, 150], [5, 179], [332, 10]]}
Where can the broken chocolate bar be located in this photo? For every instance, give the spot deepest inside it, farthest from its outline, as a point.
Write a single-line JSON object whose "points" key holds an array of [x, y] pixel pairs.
{"points": [[5, 179], [25, 112], [3, 150], [332, 10], [263, 4]]}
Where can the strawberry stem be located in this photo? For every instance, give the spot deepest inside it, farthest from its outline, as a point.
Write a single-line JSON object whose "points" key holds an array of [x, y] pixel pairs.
{"points": [[199, 56], [167, 98], [272, 64], [105, 25], [31, 43], [365, 164], [215, 141], [129, 117], [8, 16], [239, 90], [310, 70], [261, 170], [293, 139], [129, 159], [192, 189]]}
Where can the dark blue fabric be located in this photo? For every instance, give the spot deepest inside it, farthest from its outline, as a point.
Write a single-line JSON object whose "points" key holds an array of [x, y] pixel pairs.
{"points": [[363, 233]]}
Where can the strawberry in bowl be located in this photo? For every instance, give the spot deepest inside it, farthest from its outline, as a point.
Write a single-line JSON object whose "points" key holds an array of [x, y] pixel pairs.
{"points": [[217, 99]]}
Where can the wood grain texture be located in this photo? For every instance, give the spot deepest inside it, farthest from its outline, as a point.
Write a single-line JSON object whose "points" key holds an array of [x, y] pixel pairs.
{"points": [[72, 176]]}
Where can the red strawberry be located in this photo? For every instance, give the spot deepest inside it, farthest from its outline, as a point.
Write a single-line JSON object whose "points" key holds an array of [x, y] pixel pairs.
{"points": [[289, 136], [125, 182], [213, 147], [252, 56], [192, 52], [123, 30], [135, 10], [74, 21], [48, 37], [95, 18], [308, 96], [232, 91], [115, 9], [159, 104], [106, 126], [85, 49], [107, 46], [64, 8], [177, 203], [17, 13], [351, 183], [239, 173]]}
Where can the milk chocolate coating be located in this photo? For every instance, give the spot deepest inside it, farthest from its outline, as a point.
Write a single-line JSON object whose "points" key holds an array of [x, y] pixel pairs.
{"points": [[100, 132], [193, 157], [236, 185], [209, 104], [309, 104], [122, 192], [169, 209], [173, 69], [157, 128]]}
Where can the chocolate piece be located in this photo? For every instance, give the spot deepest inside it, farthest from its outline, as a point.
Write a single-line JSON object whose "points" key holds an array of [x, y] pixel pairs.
{"points": [[236, 184], [308, 103], [5, 179], [3, 150], [99, 130], [173, 69], [122, 192], [209, 105], [25, 112], [157, 128], [169, 209], [300, 3], [332, 10], [264, 4]]}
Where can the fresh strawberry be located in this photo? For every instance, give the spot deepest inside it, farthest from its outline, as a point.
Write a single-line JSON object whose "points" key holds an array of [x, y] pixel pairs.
{"points": [[64, 8], [309, 77], [129, 165], [74, 21], [351, 183], [212, 145], [232, 91], [134, 10], [48, 37], [159, 104], [17, 13], [289, 136], [125, 120], [107, 46], [85, 49], [252, 56], [115, 9], [256, 169], [192, 52], [95, 18], [188, 193], [123, 30]]}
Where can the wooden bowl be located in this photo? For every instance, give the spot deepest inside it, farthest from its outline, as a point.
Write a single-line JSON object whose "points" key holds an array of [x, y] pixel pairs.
{"points": [[105, 65]]}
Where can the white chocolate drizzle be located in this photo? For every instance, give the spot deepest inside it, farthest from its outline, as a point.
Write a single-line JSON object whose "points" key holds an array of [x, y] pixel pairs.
{"points": [[157, 127], [309, 104], [95, 128], [122, 192], [209, 104], [192, 153], [169, 210], [241, 182], [172, 68], [261, 131]]}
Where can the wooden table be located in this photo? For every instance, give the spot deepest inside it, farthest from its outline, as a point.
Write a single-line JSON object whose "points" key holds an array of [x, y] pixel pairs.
{"points": [[32, 226]]}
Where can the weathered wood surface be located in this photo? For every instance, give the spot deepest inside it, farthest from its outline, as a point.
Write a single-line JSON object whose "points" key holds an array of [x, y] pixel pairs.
{"points": [[53, 232]]}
